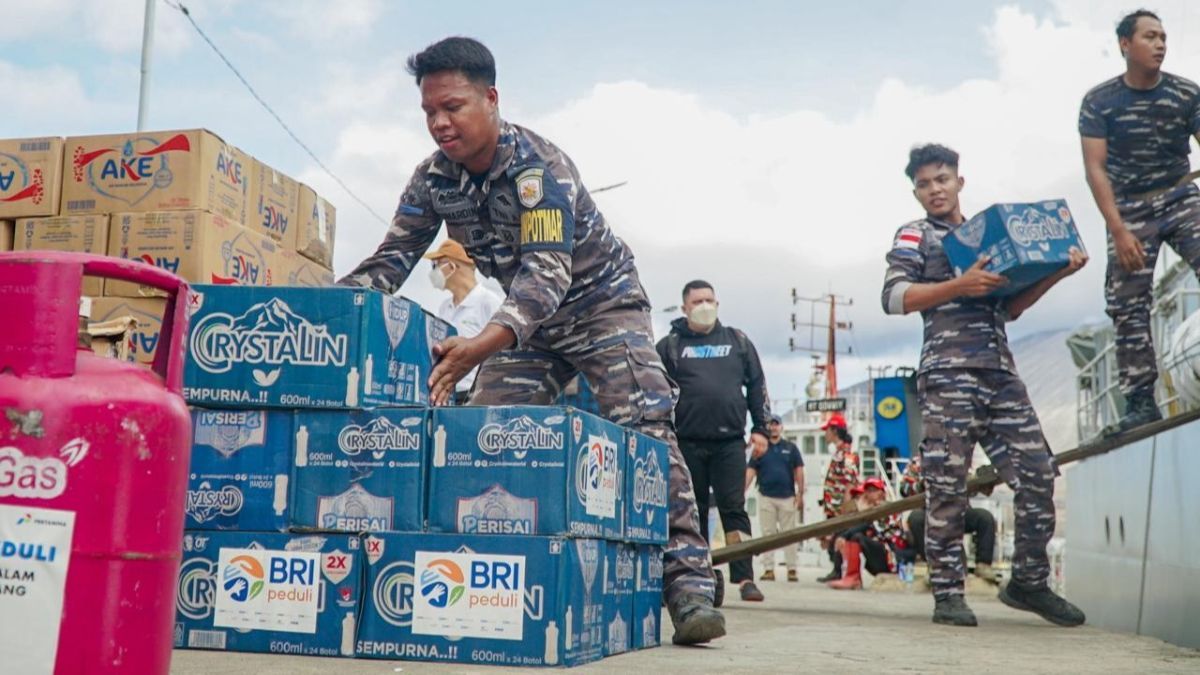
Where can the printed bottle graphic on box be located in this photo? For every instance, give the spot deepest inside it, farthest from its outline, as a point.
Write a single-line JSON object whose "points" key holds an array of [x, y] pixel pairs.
{"points": [[305, 347], [646, 489], [619, 572], [268, 592], [239, 470], [526, 470], [516, 601], [647, 596]]}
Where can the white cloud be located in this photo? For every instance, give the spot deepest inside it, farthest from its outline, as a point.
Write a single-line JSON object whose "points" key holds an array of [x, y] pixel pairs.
{"points": [[326, 22], [115, 26]]}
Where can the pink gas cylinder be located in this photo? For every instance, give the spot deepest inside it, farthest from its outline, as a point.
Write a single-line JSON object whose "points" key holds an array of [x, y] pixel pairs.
{"points": [[93, 474]]}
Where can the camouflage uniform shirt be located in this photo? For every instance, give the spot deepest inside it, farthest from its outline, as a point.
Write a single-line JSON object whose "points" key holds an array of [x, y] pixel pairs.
{"points": [[1147, 130], [962, 333], [530, 224]]}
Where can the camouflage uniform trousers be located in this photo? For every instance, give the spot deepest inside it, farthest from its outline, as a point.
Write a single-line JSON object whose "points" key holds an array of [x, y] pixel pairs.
{"points": [[614, 352], [962, 407], [1174, 218]]}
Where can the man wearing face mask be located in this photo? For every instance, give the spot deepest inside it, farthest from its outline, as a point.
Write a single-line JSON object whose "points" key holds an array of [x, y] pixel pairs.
{"points": [[720, 379], [470, 305]]}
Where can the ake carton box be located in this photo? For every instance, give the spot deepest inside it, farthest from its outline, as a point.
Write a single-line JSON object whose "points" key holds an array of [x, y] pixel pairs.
{"points": [[1026, 242], [647, 464], [292, 347], [147, 311], [316, 228], [155, 171], [526, 470], [269, 592], [7, 229], [200, 247], [620, 567], [296, 270], [647, 596], [30, 177], [81, 234], [511, 601], [272, 203], [239, 473], [359, 471]]}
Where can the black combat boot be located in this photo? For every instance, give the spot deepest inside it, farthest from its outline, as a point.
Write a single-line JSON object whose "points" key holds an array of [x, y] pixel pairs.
{"points": [[952, 610], [696, 622], [837, 569], [1042, 601], [718, 588], [1140, 409]]}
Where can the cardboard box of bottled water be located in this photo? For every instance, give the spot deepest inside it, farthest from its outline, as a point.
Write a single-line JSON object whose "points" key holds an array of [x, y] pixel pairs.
{"points": [[1026, 242], [269, 592], [359, 471], [30, 177], [619, 571], [511, 601], [239, 475], [305, 348], [647, 467], [647, 596], [526, 470]]}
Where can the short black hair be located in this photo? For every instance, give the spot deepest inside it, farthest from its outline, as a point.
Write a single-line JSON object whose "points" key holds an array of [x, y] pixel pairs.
{"points": [[843, 434], [931, 153], [1128, 23], [462, 54], [696, 285]]}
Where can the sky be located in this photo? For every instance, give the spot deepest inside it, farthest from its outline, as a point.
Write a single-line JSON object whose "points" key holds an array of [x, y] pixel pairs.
{"points": [[763, 143]]}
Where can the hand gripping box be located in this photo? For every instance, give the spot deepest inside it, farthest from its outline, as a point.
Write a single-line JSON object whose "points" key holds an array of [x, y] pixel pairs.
{"points": [[305, 348], [620, 563], [647, 464], [512, 601], [1026, 242], [647, 596], [526, 470], [30, 177], [359, 471], [239, 473], [269, 592]]}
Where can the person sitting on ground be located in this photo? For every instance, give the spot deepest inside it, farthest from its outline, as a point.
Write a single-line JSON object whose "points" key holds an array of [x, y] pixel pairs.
{"points": [[981, 524], [877, 542]]}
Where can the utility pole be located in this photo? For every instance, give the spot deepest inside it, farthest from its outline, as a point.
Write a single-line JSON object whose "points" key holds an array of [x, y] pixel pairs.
{"points": [[147, 51], [831, 327]]}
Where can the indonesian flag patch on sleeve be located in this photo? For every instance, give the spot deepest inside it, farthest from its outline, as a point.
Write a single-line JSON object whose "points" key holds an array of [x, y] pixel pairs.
{"points": [[908, 237]]}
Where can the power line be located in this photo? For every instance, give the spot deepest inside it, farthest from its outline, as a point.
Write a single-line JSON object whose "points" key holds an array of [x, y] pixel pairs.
{"points": [[187, 13]]}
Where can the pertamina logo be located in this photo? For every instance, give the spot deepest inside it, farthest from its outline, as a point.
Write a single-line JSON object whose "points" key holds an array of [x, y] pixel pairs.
{"points": [[519, 435], [377, 436], [442, 583], [243, 578], [268, 333], [205, 503], [132, 171]]}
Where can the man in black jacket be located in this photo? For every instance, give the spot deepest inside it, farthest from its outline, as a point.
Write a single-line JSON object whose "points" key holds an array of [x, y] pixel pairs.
{"points": [[720, 379]]}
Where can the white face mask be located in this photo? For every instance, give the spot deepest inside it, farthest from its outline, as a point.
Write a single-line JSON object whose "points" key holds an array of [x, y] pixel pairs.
{"points": [[436, 278], [704, 314]]}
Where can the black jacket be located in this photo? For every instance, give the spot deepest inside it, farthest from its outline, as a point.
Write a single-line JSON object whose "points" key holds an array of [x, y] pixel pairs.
{"points": [[711, 371]]}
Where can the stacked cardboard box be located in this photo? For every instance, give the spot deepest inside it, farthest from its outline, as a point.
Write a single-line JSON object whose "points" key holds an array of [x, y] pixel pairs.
{"points": [[514, 535]]}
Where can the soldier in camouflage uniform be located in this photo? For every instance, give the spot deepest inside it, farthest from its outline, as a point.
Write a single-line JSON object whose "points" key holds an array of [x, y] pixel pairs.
{"points": [[1135, 130], [575, 305], [970, 392]]}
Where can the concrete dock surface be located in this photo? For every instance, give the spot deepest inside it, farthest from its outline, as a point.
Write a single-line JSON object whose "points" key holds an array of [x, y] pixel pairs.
{"points": [[806, 627]]}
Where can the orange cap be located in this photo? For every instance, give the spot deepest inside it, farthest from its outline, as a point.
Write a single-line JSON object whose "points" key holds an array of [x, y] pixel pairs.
{"points": [[450, 249]]}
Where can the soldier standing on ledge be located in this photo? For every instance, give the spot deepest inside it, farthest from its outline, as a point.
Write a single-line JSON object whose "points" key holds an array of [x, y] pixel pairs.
{"points": [[575, 305], [970, 392]]}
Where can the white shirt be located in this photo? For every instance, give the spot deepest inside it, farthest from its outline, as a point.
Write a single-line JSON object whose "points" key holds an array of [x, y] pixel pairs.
{"points": [[469, 317]]}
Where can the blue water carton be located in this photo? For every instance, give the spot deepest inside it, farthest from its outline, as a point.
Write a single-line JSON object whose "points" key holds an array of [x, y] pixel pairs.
{"points": [[291, 347], [511, 601], [269, 592], [647, 596], [647, 464], [359, 471], [238, 479], [620, 563], [1026, 242], [526, 470]]}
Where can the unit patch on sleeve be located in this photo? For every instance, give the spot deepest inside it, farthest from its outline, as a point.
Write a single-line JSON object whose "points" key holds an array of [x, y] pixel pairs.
{"points": [[542, 226], [529, 187]]}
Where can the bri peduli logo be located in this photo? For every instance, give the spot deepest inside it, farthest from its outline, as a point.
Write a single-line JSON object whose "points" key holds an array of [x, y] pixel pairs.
{"points": [[267, 333], [377, 436], [519, 435], [243, 578], [442, 583]]}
